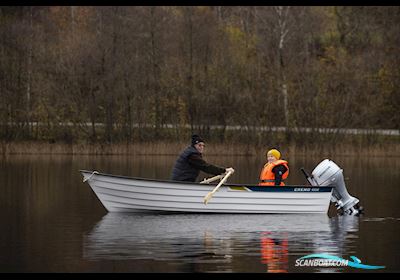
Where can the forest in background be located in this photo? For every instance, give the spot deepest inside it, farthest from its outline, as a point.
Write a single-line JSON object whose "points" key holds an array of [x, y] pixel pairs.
{"points": [[109, 75]]}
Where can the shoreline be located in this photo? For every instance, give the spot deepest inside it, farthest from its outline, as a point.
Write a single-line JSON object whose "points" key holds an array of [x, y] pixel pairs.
{"points": [[174, 148]]}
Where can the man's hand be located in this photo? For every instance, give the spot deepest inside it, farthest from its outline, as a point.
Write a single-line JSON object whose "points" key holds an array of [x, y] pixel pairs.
{"points": [[229, 169]]}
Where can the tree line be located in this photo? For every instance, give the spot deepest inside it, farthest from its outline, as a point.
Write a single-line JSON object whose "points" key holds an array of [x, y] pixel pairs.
{"points": [[136, 69]]}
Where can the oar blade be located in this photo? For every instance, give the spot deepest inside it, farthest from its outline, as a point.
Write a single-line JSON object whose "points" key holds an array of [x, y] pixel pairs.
{"points": [[207, 198]]}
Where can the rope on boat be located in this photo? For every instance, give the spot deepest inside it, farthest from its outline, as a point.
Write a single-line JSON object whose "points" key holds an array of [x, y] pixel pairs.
{"points": [[88, 178]]}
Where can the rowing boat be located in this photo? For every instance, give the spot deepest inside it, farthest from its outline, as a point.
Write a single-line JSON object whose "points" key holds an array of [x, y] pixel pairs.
{"points": [[130, 194]]}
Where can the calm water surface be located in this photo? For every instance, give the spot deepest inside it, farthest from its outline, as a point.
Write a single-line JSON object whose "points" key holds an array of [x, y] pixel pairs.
{"points": [[52, 222]]}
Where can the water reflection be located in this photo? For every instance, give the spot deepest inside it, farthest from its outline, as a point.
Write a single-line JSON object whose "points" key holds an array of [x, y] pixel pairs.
{"points": [[274, 252], [227, 242]]}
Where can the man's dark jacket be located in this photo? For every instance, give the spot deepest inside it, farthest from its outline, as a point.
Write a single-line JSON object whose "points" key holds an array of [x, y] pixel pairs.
{"points": [[189, 164]]}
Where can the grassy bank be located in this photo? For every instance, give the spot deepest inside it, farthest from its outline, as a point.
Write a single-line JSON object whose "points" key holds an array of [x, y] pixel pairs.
{"points": [[174, 148]]}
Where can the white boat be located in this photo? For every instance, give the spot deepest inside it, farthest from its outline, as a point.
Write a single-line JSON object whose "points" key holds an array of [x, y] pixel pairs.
{"points": [[129, 194]]}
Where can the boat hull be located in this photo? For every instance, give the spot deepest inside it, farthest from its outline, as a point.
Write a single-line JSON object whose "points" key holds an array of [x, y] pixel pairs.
{"points": [[128, 194]]}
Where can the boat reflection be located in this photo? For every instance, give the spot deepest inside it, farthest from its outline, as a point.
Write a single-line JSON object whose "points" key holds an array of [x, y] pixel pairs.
{"points": [[275, 240]]}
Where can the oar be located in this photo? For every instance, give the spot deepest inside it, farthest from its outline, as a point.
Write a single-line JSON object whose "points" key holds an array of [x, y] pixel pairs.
{"points": [[212, 179], [210, 194]]}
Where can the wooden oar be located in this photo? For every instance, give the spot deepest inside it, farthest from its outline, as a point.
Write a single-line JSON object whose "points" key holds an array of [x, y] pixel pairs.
{"points": [[210, 194], [212, 179]]}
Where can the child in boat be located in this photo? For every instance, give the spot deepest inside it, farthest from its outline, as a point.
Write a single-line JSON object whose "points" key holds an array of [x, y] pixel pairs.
{"points": [[275, 170]]}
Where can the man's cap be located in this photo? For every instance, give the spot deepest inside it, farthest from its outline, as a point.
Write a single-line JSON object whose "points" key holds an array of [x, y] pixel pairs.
{"points": [[196, 139]]}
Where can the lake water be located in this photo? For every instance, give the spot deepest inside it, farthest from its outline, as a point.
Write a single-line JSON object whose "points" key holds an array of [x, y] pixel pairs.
{"points": [[52, 222]]}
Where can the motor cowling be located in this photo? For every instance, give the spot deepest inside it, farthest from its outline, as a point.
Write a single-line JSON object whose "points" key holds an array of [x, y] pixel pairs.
{"points": [[328, 173]]}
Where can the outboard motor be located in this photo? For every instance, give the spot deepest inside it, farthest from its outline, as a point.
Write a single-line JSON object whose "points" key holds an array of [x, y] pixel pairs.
{"points": [[327, 173]]}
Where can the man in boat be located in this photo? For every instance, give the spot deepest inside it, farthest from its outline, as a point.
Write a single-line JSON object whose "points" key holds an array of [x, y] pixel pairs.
{"points": [[190, 162], [275, 170]]}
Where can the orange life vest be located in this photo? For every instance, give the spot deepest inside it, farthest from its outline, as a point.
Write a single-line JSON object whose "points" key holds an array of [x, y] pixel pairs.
{"points": [[267, 177]]}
